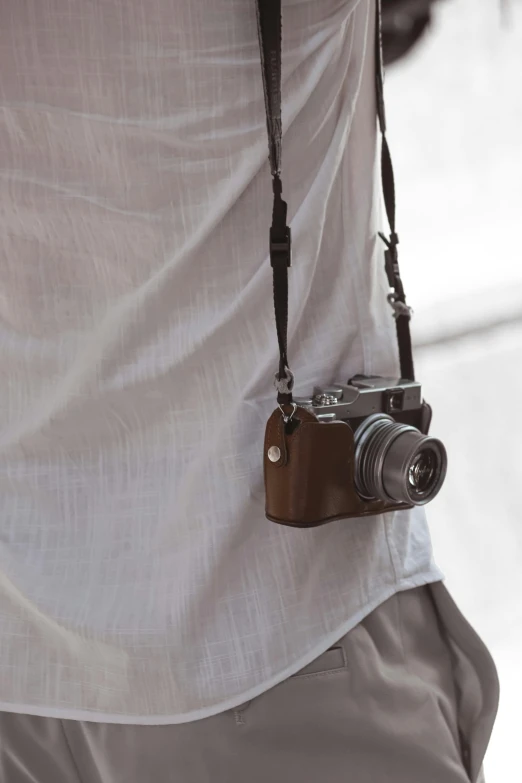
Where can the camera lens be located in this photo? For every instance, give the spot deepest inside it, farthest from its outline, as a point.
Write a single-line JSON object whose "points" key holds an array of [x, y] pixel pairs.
{"points": [[422, 471], [396, 462]]}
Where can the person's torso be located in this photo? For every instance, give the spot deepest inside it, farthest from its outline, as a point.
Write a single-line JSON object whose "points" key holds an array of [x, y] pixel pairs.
{"points": [[138, 574]]}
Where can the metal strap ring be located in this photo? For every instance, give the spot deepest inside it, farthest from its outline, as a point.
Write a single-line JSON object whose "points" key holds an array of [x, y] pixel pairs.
{"points": [[286, 418]]}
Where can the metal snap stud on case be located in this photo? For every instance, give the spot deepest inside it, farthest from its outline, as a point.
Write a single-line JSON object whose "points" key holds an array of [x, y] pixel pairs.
{"points": [[274, 454]]}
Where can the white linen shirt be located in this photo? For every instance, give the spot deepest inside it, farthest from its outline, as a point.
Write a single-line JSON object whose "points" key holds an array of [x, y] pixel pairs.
{"points": [[140, 581]]}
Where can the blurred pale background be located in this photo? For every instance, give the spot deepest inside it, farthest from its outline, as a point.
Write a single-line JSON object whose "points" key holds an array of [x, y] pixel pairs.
{"points": [[454, 116]]}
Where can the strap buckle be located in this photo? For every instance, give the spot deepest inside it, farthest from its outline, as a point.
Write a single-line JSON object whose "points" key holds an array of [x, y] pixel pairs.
{"points": [[391, 264], [281, 249], [391, 260]]}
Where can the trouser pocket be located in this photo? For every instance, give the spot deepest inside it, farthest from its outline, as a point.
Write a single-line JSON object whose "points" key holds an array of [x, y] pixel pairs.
{"points": [[331, 661], [476, 680]]}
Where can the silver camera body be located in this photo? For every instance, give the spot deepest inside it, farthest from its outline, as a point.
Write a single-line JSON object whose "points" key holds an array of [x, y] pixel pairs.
{"points": [[395, 458]]}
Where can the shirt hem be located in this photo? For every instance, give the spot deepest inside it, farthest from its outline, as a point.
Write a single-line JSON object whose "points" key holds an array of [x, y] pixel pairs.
{"points": [[417, 580]]}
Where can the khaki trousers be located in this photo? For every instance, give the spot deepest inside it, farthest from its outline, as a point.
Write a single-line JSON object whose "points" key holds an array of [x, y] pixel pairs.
{"points": [[409, 695]]}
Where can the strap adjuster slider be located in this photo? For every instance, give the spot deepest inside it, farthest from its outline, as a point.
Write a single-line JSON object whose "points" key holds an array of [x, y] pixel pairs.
{"points": [[281, 249]]}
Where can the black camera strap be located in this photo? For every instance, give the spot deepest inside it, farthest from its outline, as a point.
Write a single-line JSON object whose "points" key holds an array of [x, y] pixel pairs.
{"points": [[397, 299], [269, 24]]}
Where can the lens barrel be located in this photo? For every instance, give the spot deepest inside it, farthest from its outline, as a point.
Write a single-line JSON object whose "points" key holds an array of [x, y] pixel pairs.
{"points": [[396, 462]]}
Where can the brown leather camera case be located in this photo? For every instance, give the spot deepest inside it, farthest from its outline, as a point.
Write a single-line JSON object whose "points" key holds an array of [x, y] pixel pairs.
{"points": [[312, 482]]}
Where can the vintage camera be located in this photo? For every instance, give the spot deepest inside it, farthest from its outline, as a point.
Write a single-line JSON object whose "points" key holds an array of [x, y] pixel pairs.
{"points": [[395, 458], [352, 450]]}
